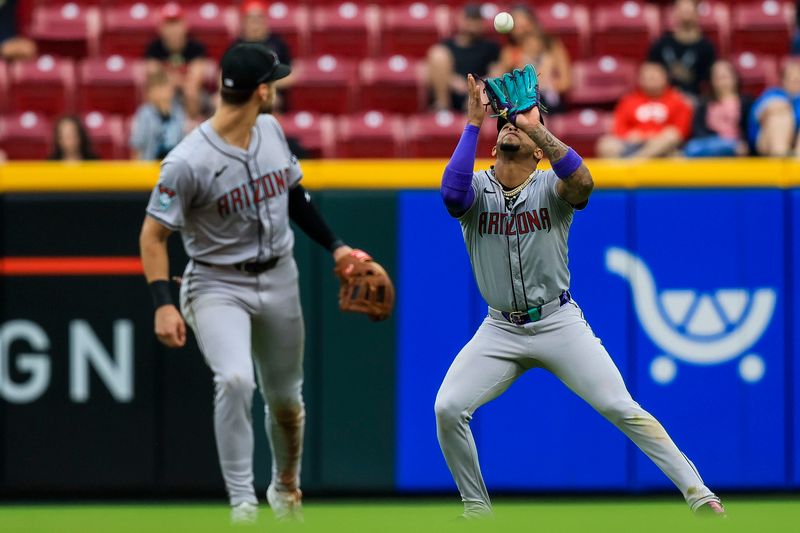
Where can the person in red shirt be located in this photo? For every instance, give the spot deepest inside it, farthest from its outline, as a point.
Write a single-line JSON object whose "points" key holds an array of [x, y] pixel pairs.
{"points": [[652, 121]]}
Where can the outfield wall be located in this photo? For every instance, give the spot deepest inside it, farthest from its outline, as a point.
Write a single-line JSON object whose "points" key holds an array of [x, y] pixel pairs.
{"points": [[89, 402]]}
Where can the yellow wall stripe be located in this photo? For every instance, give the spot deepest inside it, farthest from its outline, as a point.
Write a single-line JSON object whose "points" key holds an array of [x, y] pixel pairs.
{"points": [[410, 174]]}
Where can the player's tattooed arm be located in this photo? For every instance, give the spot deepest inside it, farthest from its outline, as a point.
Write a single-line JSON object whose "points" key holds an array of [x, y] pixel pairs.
{"points": [[574, 186]]}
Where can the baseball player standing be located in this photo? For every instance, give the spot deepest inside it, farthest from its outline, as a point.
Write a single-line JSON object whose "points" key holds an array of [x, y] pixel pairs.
{"points": [[515, 222], [230, 188]]}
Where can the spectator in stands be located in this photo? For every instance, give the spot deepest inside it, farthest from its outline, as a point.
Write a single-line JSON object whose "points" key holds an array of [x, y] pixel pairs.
{"points": [[450, 61], [183, 58], [71, 142], [159, 123], [685, 52], [255, 29], [720, 121], [12, 46], [653, 121], [775, 116], [529, 43]]}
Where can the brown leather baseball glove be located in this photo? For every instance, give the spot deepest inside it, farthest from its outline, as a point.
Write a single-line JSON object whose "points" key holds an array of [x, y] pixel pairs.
{"points": [[365, 287]]}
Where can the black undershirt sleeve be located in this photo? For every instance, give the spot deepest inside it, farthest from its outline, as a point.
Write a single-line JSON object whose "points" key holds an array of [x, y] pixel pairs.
{"points": [[303, 213]]}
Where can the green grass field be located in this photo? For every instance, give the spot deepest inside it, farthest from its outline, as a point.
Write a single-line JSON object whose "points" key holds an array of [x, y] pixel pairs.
{"points": [[750, 515]]}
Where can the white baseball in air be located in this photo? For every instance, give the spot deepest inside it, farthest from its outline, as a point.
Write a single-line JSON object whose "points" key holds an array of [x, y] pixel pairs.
{"points": [[503, 22]]}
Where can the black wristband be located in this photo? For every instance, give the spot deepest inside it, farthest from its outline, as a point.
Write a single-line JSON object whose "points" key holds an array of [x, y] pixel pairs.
{"points": [[160, 293]]}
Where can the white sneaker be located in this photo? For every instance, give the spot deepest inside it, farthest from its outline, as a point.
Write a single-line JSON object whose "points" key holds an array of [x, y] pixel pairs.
{"points": [[287, 506], [244, 514]]}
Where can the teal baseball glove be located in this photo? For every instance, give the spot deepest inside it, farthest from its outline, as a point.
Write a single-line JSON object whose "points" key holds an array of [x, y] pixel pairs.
{"points": [[513, 93]]}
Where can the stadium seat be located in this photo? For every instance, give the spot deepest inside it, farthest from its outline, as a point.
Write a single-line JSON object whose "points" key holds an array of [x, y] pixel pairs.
{"points": [[3, 87], [25, 135], [392, 84], [715, 19], [69, 29], [410, 30], [625, 29], [128, 29], [756, 72], [601, 81], [568, 23], [434, 134], [762, 27], [313, 131], [46, 84], [290, 22], [369, 134], [107, 135], [581, 129], [347, 29], [325, 84], [110, 84], [214, 24]]}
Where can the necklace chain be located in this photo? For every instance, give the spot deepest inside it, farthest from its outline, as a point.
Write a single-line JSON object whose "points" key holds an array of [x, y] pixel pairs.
{"points": [[516, 190]]}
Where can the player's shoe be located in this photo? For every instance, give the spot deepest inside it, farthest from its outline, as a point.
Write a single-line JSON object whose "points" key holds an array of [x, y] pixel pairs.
{"points": [[713, 508], [244, 514], [286, 505]]}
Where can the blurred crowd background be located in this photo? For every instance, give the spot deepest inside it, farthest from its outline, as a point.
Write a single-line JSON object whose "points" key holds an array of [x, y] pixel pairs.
{"points": [[102, 79]]}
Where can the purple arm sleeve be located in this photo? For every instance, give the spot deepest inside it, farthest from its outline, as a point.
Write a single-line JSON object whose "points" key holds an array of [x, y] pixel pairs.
{"points": [[457, 190]]}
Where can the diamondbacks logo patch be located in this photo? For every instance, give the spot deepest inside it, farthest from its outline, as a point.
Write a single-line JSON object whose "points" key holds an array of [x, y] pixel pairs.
{"points": [[165, 196]]}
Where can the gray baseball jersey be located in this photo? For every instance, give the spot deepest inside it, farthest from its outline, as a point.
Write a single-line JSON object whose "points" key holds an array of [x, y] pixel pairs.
{"points": [[519, 256], [230, 204]]}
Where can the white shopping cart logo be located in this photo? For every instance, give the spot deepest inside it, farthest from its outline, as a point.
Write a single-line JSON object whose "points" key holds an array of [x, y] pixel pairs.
{"points": [[701, 328]]}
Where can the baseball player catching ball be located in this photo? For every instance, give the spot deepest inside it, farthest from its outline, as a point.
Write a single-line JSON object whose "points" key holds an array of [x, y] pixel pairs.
{"points": [[515, 221], [230, 188]]}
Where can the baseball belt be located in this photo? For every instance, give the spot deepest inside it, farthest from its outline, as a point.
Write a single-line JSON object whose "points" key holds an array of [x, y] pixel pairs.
{"points": [[251, 267], [534, 314]]}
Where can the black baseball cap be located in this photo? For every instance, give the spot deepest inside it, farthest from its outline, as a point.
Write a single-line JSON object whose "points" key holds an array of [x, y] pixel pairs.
{"points": [[501, 121], [247, 65]]}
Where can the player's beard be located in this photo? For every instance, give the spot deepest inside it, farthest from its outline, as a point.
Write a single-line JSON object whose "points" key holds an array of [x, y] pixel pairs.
{"points": [[509, 148], [266, 108]]}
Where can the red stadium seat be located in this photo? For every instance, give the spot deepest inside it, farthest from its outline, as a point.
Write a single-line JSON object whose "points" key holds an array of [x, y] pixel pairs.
{"points": [[347, 29], [128, 29], [568, 23], [3, 87], [410, 30], [763, 27], [110, 84], [214, 25], [715, 19], [69, 29], [314, 132], [392, 84], [756, 72], [25, 136], [625, 29], [325, 84], [107, 135], [290, 22], [434, 134], [581, 129], [46, 84], [369, 135], [601, 81]]}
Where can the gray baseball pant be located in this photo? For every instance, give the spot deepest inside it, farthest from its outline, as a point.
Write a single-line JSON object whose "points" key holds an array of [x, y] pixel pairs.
{"points": [[564, 344], [240, 319]]}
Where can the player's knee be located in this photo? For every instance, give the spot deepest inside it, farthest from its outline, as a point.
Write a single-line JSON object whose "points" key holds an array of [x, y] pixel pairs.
{"points": [[448, 412], [621, 411], [235, 384], [286, 412]]}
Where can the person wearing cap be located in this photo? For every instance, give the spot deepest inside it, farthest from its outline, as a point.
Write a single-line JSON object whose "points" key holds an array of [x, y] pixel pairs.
{"points": [[255, 29], [183, 58], [466, 52], [230, 188]]}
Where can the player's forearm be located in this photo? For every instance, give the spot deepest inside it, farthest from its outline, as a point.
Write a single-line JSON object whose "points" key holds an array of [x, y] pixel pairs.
{"points": [[457, 190], [155, 260]]}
